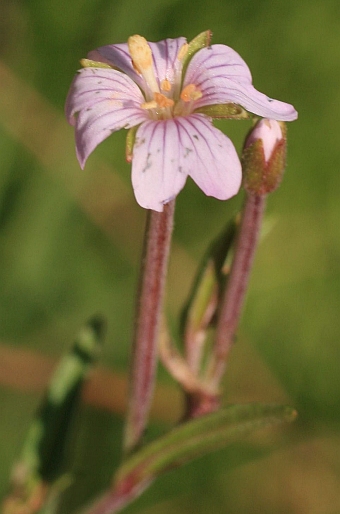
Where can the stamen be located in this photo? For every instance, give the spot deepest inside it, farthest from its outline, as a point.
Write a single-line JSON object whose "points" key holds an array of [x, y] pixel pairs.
{"points": [[190, 93], [165, 85], [163, 101], [149, 105], [182, 51], [141, 56], [140, 53]]}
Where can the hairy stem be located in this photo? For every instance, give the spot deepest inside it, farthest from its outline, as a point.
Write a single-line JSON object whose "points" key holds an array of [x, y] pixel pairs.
{"points": [[233, 300], [148, 316], [117, 499]]}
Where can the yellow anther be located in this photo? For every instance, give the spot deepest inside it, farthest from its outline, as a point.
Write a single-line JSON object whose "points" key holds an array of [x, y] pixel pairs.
{"points": [[140, 53], [165, 85], [149, 105], [141, 56], [190, 93], [162, 100], [182, 51]]}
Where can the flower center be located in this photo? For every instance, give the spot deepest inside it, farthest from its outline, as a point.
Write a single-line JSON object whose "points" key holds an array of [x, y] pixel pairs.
{"points": [[163, 99], [190, 93], [159, 100]]}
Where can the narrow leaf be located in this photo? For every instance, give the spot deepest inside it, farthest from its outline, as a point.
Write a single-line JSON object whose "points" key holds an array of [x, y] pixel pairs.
{"points": [[186, 442], [199, 437], [43, 456]]}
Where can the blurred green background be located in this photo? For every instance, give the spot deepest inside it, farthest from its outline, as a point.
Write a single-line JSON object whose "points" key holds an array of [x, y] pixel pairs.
{"points": [[70, 243]]}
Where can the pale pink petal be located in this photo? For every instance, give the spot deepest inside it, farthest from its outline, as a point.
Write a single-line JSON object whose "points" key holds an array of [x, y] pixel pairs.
{"points": [[100, 102], [223, 77], [157, 175], [212, 162], [164, 55], [119, 57], [270, 132], [166, 152], [217, 62]]}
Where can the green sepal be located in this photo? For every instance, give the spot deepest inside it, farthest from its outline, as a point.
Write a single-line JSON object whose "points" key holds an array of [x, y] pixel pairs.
{"points": [[261, 177], [89, 63], [198, 437], [224, 111], [201, 41], [129, 144]]}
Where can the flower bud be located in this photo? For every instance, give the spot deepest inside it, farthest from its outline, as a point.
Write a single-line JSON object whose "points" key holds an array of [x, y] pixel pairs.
{"points": [[264, 157]]}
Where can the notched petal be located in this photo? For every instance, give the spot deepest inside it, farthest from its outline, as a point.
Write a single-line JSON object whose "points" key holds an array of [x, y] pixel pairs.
{"points": [[166, 152], [157, 174], [213, 163]]}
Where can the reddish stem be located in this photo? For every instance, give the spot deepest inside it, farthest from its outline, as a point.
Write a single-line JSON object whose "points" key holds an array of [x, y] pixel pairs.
{"points": [[149, 310], [233, 300], [114, 501]]}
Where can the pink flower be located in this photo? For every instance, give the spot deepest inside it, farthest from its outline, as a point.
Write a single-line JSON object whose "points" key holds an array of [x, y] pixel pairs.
{"points": [[167, 93]]}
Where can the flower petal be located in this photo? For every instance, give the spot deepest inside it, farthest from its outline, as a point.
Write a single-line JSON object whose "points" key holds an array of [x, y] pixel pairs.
{"points": [[164, 55], [157, 176], [100, 102], [223, 77], [213, 162], [117, 56], [167, 151]]}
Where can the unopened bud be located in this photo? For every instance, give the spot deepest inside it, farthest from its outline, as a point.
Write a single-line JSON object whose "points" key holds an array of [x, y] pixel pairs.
{"points": [[264, 157]]}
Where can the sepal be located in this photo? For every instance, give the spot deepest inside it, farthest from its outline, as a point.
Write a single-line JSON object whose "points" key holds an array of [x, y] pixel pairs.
{"points": [[89, 63], [224, 111], [264, 157], [130, 141], [201, 41]]}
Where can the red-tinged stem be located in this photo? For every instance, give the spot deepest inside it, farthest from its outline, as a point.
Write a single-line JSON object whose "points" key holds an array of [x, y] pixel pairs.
{"points": [[149, 311], [122, 494], [233, 300]]}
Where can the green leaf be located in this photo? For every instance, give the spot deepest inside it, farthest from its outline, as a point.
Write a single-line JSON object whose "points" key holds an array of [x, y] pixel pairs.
{"points": [[42, 461], [56, 414], [199, 437]]}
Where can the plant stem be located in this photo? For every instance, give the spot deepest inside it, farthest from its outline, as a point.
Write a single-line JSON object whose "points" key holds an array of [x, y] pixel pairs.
{"points": [[234, 296], [148, 316], [114, 501]]}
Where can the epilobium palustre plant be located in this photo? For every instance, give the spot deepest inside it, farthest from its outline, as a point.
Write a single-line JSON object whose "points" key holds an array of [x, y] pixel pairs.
{"points": [[166, 95]]}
